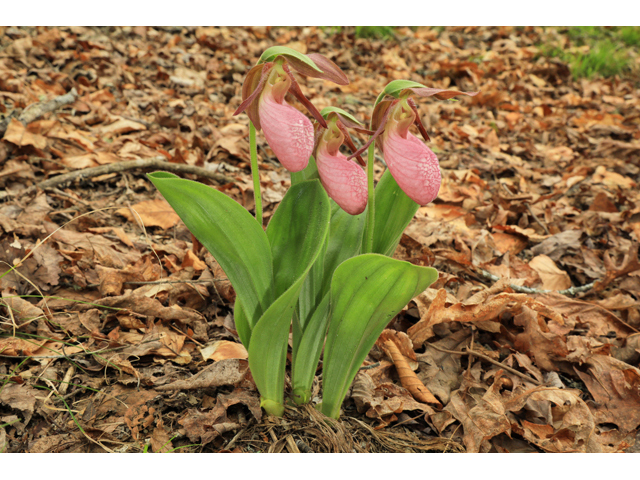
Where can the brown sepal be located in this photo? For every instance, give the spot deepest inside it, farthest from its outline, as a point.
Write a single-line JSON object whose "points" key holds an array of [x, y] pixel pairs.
{"points": [[330, 71], [295, 90], [378, 121], [251, 89], [418, 121], [349, 141], [439, 93]]}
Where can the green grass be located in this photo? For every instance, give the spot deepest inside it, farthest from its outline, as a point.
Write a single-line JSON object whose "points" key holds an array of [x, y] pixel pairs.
{"points": [[596, 51], [377, 32]]}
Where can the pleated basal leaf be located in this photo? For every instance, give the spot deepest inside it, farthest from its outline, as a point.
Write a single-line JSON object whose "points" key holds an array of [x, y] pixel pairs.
{"points": [[367, 291]]}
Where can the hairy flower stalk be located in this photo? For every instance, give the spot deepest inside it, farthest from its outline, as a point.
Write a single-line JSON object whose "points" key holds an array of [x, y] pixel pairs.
{"points": [[413, 165], [344, 181]]}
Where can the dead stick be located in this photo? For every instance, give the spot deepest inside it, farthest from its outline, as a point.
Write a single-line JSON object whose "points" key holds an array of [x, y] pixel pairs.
{"points": [[520, 289], [158, 162], [535, 217], [36, 110], [490, 360]]}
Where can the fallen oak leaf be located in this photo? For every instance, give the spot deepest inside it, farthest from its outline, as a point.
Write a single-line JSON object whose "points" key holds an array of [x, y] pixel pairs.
{"points": [[552, 277], [152, 213], [629, 264], [382, 402], [615, 387], [488, 310], [223, 350]]}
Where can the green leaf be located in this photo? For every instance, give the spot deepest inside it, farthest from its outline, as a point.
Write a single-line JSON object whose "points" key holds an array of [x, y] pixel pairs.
{"points": [[393, 212], [344, 241], [327, 110], [268, 350], [243, 327], [309, 173], [395, 87], [367, 291], [230, 233], [271, 53], [297, 232], [307, 352]]}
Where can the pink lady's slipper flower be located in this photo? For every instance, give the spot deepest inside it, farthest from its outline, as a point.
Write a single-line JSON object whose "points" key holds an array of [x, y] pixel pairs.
{"points": [[413, 165], [344, 181], [289, 133]]}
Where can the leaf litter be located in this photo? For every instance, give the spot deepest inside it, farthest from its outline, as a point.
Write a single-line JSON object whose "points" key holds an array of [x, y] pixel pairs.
{"points": [[116, 330]]}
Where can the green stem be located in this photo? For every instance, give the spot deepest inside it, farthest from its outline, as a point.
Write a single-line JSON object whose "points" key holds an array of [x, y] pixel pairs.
{"points": [[255, 172], [367, 244], [371, 206]]}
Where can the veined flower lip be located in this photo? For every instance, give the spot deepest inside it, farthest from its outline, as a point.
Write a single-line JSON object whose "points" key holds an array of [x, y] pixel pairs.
{"points": [[413, 165], [344, 181], [288, 132]]}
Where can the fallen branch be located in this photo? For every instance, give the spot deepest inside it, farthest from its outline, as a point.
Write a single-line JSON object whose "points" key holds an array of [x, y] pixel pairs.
{"points": [[159, 163], [490, 360], [520, 289], [36, 110]]}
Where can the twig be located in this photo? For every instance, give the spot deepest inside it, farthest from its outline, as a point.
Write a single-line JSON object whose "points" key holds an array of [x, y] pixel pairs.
{"points": [[137, 120], [535, 217], [490, 360], [36, 110], [165, 282], [157, 162], [369, 367], [520, 289]]}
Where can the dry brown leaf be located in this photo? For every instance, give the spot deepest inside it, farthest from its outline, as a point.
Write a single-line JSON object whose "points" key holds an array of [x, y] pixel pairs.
{"points": [[481, 412], [563, 421], [152, 213], [629, 264], [491, 309], [384, 401], [41, 269], [615, 387], [552, 277], [505, 242], [612, 179], [19, 135], [537, 341], [204, 427], [223, 350], [121, 126], [161, 440], [18, 347], [20, 397], [408, 378], [21, 310], [152, 307], [225, 372], [598, 320]]}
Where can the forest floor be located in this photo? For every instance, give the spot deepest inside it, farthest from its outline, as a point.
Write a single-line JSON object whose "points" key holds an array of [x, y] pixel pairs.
{"points": [[117, 333]]}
